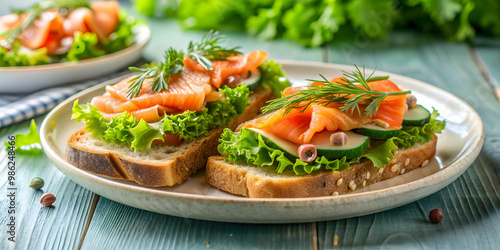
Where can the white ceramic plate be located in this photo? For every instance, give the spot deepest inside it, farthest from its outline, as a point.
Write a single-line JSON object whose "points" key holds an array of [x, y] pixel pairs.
{"points": [[458, 146], [32, 78]]}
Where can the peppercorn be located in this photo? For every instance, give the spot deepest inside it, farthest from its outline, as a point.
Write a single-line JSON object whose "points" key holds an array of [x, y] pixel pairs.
{"points": [[436, 215], [37, 183], [47, 199]]}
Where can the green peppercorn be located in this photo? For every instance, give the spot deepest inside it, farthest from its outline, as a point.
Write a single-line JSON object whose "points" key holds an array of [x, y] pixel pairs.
{"points": [[37, 183]]}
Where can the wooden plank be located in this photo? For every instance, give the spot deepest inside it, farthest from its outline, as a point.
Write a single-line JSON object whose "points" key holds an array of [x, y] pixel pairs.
{"points": [[118, 226], [37, 227], [471, 204], [471, 214], [489, 60]]}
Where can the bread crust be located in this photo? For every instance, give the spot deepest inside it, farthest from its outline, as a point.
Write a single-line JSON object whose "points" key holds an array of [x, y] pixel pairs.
{"points": [[185, 161], [257, 182]]}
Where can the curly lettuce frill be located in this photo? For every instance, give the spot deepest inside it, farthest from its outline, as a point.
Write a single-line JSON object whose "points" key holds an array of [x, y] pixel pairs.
{"points": [[247, 147], [84, 46], [87, 45], [139, 135], [14, 57], [274, 77], [250, 148], [412, 134]]}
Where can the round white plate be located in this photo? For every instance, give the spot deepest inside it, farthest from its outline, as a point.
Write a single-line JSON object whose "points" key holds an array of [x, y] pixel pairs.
{"points": [[31, 78], [458, 146]]}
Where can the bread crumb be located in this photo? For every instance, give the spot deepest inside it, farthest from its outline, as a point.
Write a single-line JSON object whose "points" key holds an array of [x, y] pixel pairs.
{"points": [[425, 163], [336, 240], [339, 182]]}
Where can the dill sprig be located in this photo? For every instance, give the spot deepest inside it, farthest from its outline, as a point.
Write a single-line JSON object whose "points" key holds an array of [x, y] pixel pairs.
{"points": [[352, 90], [161, 73], [209, 48]]}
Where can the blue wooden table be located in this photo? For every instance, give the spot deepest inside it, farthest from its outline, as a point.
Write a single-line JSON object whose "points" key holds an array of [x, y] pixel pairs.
{"points": [[471, 204]]}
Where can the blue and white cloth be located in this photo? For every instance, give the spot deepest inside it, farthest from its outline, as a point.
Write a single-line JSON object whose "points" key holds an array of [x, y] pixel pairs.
{"points": [[17, 108]]}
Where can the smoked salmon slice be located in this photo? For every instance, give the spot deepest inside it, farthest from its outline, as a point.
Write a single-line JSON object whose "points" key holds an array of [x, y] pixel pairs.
{"points": [[36, 35], [235, 65], [49, 28], [101, 20], [300, 127]]}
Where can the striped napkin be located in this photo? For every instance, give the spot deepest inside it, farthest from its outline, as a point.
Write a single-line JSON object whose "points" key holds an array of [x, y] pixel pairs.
{"points": [[17, 108]]}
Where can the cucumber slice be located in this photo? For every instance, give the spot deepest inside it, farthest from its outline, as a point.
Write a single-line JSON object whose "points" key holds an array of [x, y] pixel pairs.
{"points": [[252, 80], [417, 116], [289, 148], [356, 145], [376, 132]]}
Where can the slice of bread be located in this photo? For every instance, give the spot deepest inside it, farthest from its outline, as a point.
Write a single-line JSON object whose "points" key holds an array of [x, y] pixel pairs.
{"points": [[161, 165], [263, 182]]}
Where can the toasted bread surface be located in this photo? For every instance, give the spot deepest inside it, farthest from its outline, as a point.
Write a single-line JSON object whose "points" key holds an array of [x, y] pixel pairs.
{"points": [[263, 182], [161, 165]]}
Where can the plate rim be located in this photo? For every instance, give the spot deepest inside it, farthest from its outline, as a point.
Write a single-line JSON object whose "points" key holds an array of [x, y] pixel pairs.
{"points": [[452, 170], [141, 37]]}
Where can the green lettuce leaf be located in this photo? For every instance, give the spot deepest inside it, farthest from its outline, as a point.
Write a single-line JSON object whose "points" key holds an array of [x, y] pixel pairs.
{"points": [[412, 134], [28, 143], [374, 18], [189, 125], [14, 57], [123, 36], [273, 76], [84, 46], [242, 146], [250, 148], [313, 23], [381, 154]]}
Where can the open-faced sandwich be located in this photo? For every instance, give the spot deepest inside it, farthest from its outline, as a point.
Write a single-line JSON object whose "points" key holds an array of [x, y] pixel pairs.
{"points": [[159, 127], [57, 31], [326, 139]]}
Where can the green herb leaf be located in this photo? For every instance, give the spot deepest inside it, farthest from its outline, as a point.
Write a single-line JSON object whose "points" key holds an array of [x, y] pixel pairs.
{"points": [[161, 73], [210, 49], [27, 143]]}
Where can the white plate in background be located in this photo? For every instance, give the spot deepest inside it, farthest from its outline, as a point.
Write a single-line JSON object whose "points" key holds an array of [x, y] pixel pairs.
{"points": [[27, 79]]}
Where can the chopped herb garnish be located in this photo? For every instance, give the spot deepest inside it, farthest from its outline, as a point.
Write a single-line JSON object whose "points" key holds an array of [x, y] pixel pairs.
{"points": [[210, 49], [161, 73], [203, 52], [345, 91]]}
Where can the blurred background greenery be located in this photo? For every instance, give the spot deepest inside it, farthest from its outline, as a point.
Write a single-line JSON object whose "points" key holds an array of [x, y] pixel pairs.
{"points": [[313, 23]]}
